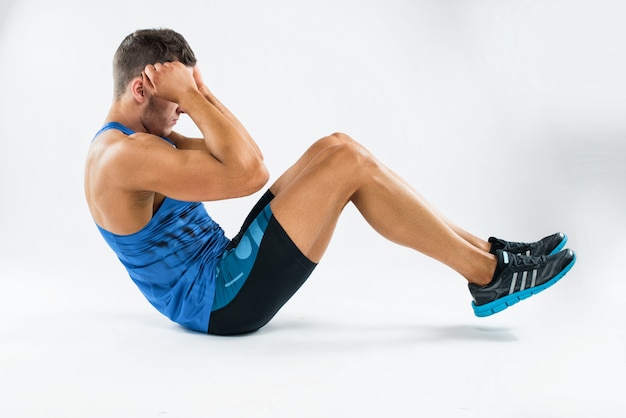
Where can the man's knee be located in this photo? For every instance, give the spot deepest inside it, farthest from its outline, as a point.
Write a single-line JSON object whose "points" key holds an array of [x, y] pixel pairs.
{"points": [[350, 157], [344, 156], [341, 137], [334, 139]]}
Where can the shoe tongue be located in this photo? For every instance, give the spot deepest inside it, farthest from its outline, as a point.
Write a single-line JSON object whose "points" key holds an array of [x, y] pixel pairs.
{"points": [[504, 257]]}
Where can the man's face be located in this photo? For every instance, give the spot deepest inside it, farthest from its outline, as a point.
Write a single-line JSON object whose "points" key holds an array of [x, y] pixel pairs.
{"points": [[160, 116]]}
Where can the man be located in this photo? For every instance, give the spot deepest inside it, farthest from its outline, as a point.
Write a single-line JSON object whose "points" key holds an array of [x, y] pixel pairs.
{"points": [[144, 185]]}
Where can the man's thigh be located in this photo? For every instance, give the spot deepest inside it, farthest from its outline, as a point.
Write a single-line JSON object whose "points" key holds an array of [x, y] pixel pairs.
{"points": [[309, 206]]}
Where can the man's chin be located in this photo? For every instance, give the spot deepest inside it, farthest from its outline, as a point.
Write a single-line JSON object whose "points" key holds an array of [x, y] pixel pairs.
{"points": [[165, 132]]}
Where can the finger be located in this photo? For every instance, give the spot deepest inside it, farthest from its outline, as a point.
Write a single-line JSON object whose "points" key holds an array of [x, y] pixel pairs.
{"points": [[177, 65], [146, 81], [197, 76], [149, 70]]}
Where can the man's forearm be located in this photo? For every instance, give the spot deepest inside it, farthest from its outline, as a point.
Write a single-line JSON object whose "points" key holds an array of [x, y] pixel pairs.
{"points": [[228, 114], [223, 139]]}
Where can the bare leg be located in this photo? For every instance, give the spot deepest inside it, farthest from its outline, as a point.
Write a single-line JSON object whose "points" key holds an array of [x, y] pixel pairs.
{"points": [[336, 170], [332, 140], [472, 239]]}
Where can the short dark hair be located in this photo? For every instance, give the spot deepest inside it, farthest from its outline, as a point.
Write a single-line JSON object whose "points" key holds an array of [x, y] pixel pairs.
{"points": [[148, 46]]}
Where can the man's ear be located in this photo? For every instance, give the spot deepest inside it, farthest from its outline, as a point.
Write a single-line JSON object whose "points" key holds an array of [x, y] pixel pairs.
{"points": [[138, 90]]}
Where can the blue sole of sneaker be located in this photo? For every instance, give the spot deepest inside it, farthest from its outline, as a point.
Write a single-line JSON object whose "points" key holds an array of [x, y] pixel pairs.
{"points": [[501, 304], [560, 246]]}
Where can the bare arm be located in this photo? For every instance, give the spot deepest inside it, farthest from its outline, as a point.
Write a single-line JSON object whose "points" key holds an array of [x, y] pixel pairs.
{"points": [[227, 113], [147, 163], [183, 142], [228, 156], [224, 139]]}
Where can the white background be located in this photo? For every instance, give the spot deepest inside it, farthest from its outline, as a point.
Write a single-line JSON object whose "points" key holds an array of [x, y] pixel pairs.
{"points": [[507, 115]]}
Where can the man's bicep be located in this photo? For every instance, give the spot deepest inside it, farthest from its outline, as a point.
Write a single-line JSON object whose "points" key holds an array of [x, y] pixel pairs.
{"points": [[189, 175]]}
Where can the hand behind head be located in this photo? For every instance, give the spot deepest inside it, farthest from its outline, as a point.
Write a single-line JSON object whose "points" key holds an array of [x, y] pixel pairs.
{"points": [[170, 81]]}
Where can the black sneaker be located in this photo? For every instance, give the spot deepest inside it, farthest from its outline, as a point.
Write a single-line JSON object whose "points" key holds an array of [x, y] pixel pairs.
{"points": [[546, 246], [519, 277]]}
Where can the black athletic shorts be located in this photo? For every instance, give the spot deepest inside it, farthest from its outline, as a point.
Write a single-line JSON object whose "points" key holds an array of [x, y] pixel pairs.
{"points": [[262, 284]]}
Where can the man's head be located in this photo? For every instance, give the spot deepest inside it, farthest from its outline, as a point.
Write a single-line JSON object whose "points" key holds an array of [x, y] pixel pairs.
{"points": [[148, 46]]}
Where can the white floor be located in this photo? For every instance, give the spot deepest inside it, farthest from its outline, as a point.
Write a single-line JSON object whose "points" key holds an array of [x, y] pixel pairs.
{"points": [[369, 340]]}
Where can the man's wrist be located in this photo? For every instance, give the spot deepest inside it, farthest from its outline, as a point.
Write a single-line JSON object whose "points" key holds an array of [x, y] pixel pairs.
{"points": [[204, 90], [189, 99]]}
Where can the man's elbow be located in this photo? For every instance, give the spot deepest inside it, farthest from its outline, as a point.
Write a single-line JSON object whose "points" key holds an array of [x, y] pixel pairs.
{"points": [[261, 175], [253, 176]]}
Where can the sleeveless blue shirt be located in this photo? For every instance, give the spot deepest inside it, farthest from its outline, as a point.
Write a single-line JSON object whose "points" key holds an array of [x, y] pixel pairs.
{"points": [[173, 258]]}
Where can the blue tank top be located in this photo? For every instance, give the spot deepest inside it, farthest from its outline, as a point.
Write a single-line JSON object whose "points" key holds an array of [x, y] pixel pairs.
{"points": [[173, 258]]}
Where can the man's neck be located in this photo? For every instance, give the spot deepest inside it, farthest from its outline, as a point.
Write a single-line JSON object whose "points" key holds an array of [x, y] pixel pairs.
{"points": [[126, 114]]}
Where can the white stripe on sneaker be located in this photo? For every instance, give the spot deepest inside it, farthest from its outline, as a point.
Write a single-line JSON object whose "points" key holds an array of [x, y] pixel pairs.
{"points": [[534, 278], [506, 257], [523, 285], [513, 282]]}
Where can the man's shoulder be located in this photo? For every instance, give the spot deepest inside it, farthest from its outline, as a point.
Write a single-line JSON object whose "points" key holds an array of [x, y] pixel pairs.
{"points": [[114, 143], [112, 149]]}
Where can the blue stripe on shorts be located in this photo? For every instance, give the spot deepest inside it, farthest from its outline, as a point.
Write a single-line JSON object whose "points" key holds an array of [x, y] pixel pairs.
{"points": [[236, 263]]}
